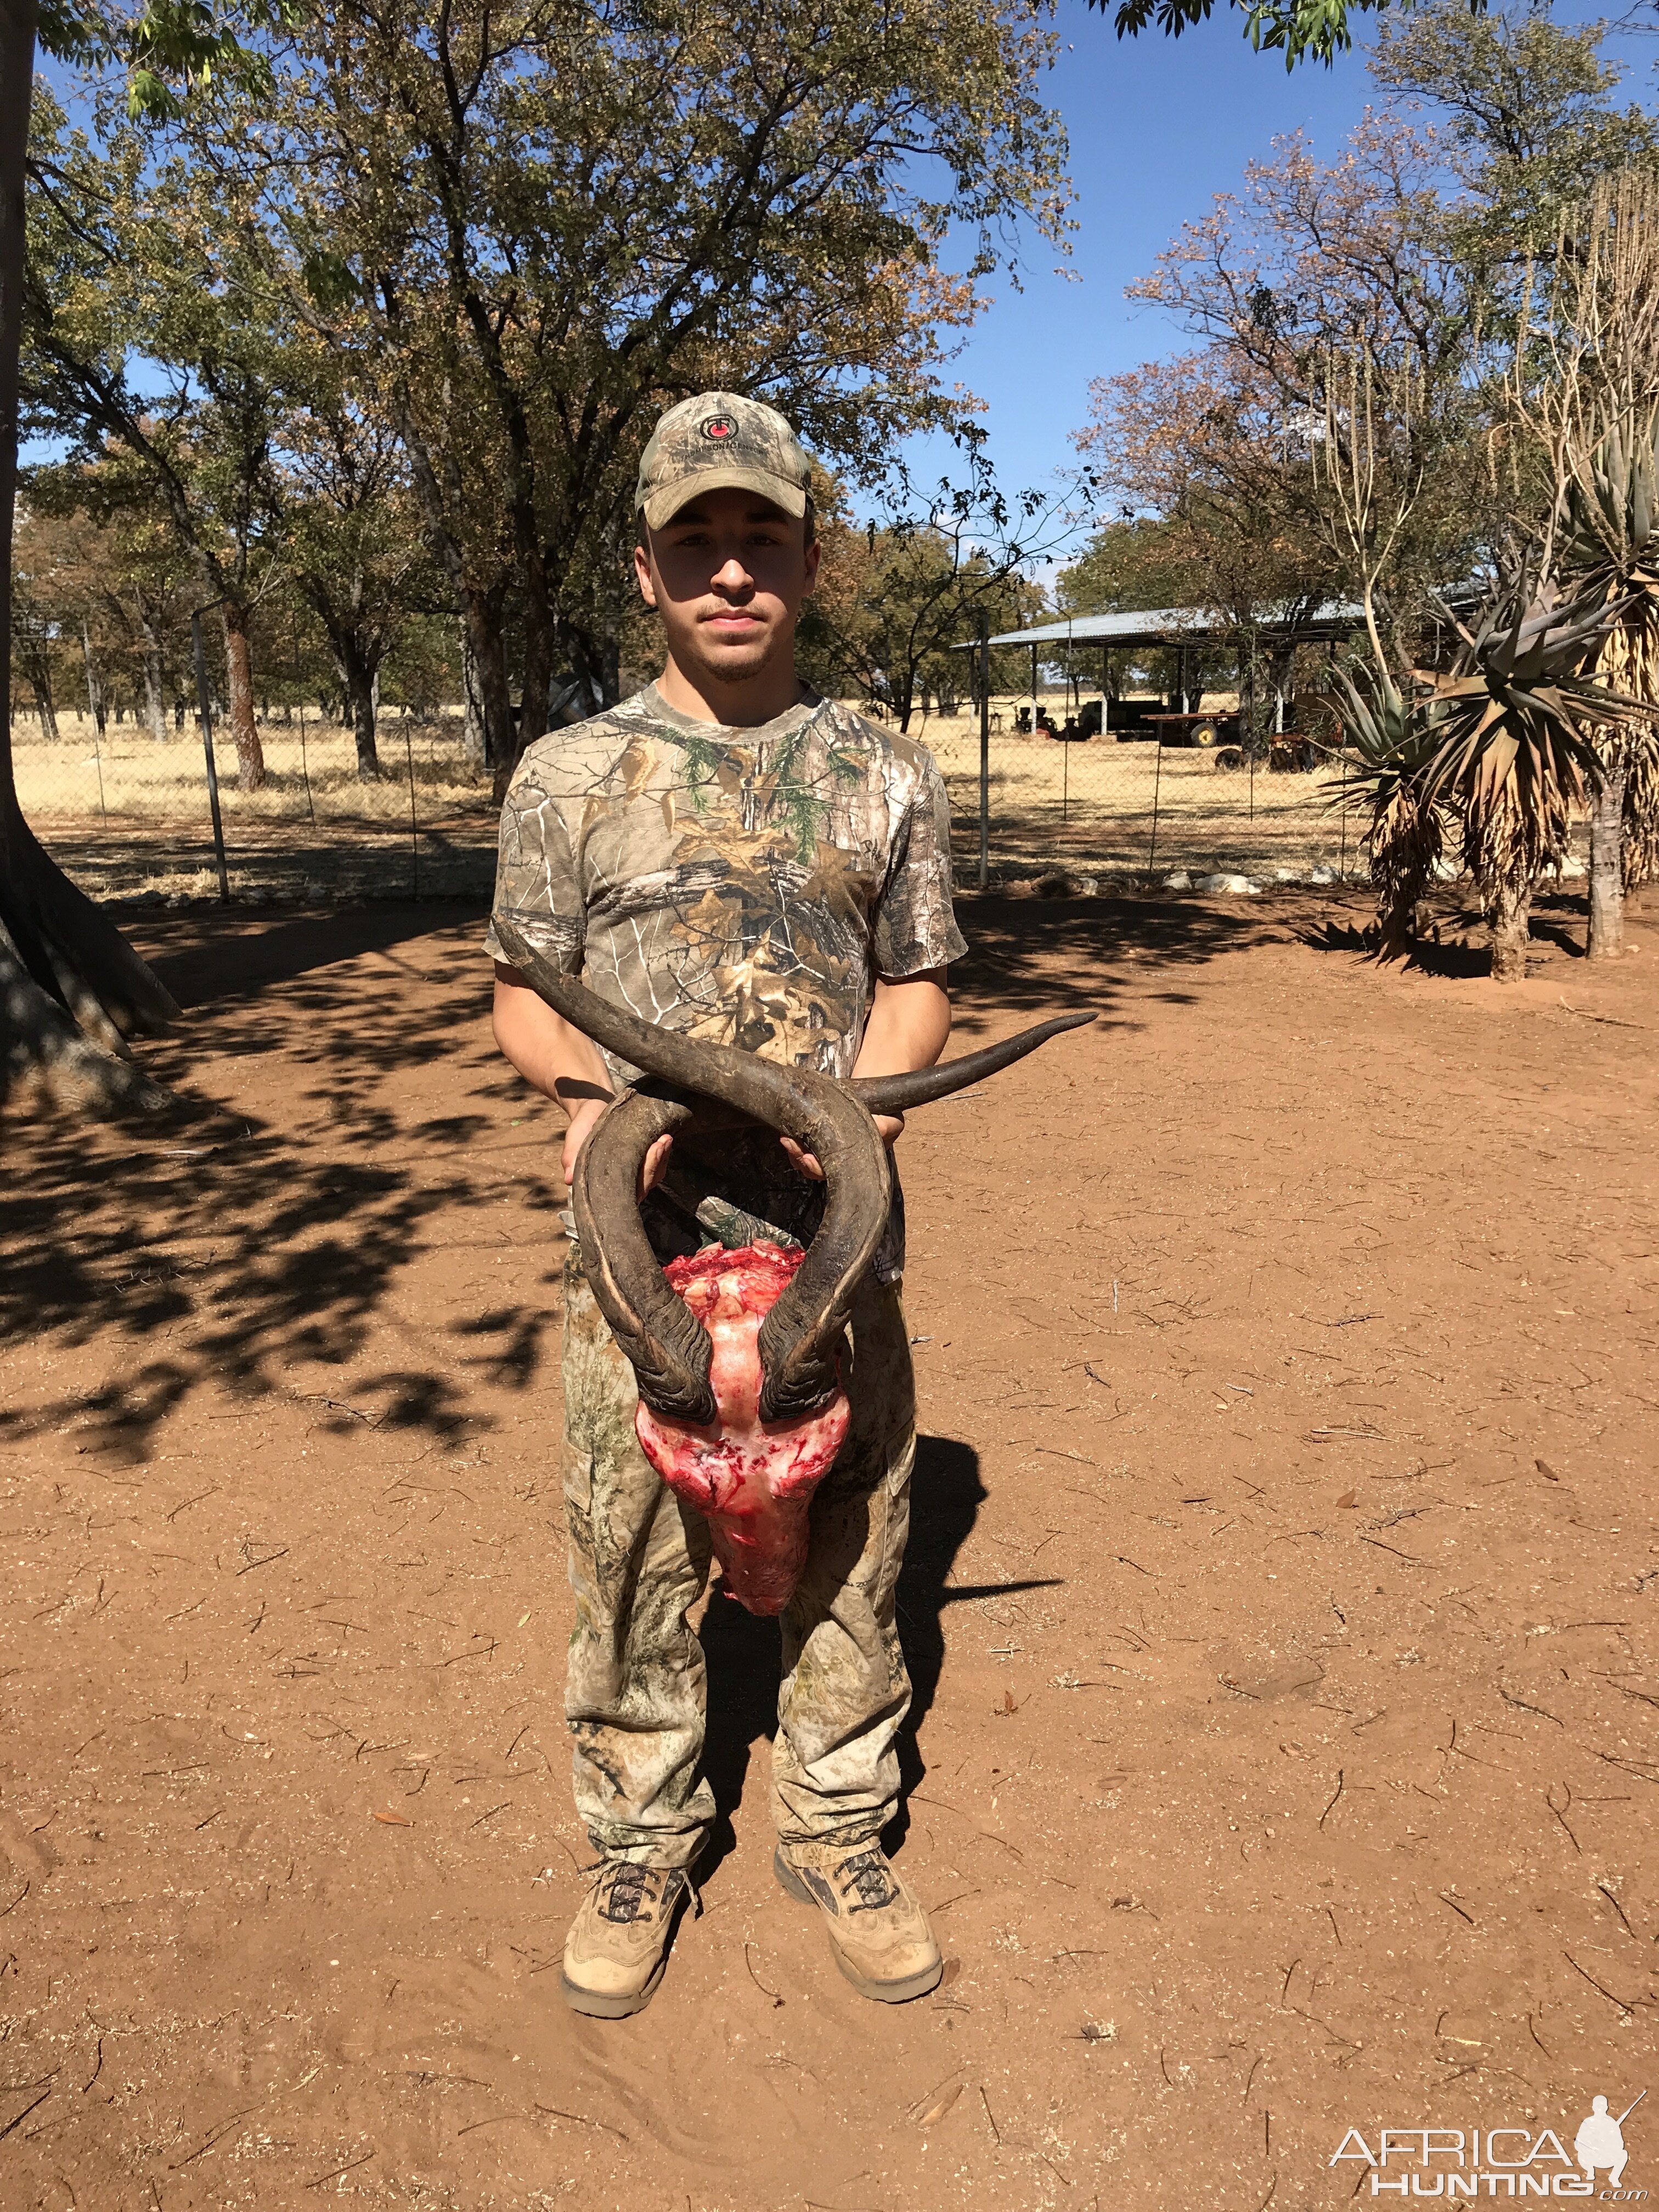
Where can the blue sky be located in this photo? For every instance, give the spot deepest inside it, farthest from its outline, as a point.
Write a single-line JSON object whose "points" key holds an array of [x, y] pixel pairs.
{"points": [[1158, 126]]}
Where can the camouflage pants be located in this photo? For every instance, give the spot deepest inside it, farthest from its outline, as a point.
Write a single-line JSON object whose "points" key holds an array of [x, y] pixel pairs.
{"points": [[639, 1562]]}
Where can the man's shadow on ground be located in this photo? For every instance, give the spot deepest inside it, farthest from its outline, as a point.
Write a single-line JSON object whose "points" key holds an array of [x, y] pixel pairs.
{"points": [[743, 1653]]}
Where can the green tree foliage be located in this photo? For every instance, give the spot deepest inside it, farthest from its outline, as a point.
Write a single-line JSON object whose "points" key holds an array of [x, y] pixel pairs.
{"points": [[94, 565], [1301, 30], [529, 227], [897, 602], [1138, 561], [370, 296], [353, 547], [126, 265], [1526, 120]]}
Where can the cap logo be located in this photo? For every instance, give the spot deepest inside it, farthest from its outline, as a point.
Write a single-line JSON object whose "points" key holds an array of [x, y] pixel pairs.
{"points": [[719, 429]]}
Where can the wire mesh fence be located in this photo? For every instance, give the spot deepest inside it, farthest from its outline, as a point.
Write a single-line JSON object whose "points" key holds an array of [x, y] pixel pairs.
{"points": [[1125, 805], [128, 817]]}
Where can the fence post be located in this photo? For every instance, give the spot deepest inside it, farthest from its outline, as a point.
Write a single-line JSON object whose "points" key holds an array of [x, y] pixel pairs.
{"points": [[414, 827], [984, 748], [305, 765], [1342, 864], [1158, 777], [207, 747]]}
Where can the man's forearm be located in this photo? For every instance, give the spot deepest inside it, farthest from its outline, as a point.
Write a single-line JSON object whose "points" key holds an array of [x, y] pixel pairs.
{"points": [[544, 1048]]}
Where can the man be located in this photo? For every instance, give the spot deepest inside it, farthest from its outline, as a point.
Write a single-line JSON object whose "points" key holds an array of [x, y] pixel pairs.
{"points": [[731, 856]]}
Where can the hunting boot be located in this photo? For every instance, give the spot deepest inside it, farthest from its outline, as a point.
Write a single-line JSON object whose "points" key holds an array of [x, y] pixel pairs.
{"points": [[877, 1931], [617, 1946]]}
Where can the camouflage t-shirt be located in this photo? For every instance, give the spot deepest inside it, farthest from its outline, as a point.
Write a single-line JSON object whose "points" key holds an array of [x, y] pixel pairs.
{"points": [[746, 886]]}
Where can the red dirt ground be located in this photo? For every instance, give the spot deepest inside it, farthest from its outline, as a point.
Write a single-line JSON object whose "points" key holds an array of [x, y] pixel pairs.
{"points": [[1281, 1602]]}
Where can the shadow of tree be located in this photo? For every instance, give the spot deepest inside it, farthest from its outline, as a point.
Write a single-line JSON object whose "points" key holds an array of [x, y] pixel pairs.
{"points": [[1029, 957], [1557, 922], [230, 1245], [209, 958]]}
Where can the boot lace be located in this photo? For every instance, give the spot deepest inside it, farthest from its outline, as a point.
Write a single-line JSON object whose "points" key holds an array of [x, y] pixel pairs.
{"points": [[866, 1880], [628, 1890]]}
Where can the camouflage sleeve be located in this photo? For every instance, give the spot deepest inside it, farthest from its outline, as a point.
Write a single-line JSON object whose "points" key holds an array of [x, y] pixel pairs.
{"points": [[914, 924], [537, 885]]}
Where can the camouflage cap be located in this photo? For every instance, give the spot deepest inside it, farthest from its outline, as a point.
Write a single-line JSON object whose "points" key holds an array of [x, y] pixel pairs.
{"points": [[719, 442]]}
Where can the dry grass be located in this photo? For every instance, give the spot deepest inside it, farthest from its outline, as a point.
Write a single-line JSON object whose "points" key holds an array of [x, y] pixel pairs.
{"points": [[1093, 804], [128, 776], [1087, 805]]}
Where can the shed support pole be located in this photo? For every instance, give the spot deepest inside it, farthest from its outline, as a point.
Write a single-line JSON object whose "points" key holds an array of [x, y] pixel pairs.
{"points": [[984, 749]]}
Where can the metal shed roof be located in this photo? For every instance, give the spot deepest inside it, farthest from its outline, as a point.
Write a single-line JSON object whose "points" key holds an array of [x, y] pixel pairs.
{"points": [[1177, 625]]}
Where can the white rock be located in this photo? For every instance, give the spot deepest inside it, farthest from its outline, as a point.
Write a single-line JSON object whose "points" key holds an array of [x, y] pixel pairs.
{"points": [[1572, 866], [1286, 876], [1447, 871], [1230, 886], [1181, 881], [1088, 886], [1321, 875]]}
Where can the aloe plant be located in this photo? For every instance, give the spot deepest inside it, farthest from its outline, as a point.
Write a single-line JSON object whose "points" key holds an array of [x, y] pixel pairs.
{"points": [[1609, 535], [1499, 750], [1514, 751]]}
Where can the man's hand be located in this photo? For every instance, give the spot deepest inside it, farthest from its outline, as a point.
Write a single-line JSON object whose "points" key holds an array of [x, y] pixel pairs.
{"points": [[565, 1064], [910, 1021], [581, 1128], [577, 1132], [890, 1127]]}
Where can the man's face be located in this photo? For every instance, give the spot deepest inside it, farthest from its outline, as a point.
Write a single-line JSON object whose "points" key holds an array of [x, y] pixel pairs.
{"points": [[727, 575]]}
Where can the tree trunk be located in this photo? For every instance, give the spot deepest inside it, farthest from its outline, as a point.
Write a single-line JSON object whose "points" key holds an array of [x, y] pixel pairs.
{"points": [[472, 725], [48, 712], [360, 676], [483, 624], [1510, 912], [155, 712], [481, 609], [243, 729], [1607, 882], [538, 679], [95, 706], [365, 707], [71, 988]]}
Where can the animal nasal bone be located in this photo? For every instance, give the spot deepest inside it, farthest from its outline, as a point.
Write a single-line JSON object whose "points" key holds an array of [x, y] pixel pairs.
{"points": [[752, 1480]]}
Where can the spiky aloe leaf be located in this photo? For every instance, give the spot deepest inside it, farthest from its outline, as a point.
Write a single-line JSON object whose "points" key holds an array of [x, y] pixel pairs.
{"points": [[1390, 736], [1610, 511]]}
